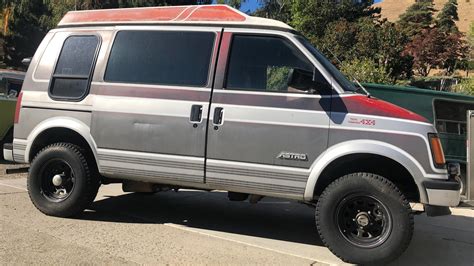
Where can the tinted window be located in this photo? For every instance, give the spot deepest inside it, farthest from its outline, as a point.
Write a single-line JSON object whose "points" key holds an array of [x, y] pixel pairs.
{"points": [[340, 78], [451, 116], [161, 57], [73, 70], [270, 64]]}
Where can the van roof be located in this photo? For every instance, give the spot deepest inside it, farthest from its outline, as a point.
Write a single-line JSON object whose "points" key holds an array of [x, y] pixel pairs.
{"points": [[197, 14]]}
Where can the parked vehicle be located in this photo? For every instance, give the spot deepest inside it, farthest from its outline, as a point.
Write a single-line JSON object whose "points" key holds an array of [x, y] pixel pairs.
{"points": [[10, 87], [447, 111], [209, 98]]}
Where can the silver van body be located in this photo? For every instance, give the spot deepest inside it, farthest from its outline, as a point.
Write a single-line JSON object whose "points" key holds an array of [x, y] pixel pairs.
{"points": [[142, 132], [285, 144]]}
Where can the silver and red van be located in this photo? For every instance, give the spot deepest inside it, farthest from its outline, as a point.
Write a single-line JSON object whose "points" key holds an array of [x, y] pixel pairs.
{"points": [[206, 97]]}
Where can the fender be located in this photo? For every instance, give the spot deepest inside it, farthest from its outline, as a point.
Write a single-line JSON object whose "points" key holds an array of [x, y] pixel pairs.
{"points": [[61, 122], [372, 147]]}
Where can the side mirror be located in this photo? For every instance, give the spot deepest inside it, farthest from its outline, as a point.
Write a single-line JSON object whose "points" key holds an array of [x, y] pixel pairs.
{"points": [[26, 61], [301, 80]]}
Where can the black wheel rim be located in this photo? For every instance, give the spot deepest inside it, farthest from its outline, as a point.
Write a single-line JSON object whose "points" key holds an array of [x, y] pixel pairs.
{"points": [[363, 220], [57, 180]]}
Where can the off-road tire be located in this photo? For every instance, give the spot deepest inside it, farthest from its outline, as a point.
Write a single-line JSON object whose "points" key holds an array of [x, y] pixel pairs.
{"points": [[86, 182], [384, 191]]}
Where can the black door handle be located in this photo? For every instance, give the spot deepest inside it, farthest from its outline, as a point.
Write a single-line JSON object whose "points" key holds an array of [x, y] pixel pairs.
{"points": [[196, 114], [218, 114]]}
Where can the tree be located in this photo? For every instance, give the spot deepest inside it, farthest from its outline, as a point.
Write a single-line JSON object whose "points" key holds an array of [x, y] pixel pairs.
{"points": [[470, 41], [447, 17], [233, 3], [380, 41], [417, 18], [433, 48], [365, 70], [455, 51], [24, 31], [391, 44], [312, 17], [340, 40], [275, 9]]}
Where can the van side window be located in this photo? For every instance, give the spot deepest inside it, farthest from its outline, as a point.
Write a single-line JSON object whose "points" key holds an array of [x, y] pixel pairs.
{"points": [[273, 64], [161, 57], [73, 70]]}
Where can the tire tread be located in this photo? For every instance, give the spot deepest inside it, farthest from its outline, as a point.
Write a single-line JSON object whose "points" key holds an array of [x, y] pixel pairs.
{"points": [[385, 182]]}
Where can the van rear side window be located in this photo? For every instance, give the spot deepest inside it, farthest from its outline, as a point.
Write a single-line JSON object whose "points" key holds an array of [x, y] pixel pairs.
{"points": [[73, 70], [161, 57]]}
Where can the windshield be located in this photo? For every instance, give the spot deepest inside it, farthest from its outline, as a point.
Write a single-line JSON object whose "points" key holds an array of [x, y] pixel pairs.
{"points": [[337, 75]]}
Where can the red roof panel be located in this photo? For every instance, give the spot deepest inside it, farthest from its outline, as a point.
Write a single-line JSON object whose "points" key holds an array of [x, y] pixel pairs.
{"points": [[150, 14]]}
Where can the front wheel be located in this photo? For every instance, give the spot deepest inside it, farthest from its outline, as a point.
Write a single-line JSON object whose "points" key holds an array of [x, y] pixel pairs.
{"points": [[364, 218], [61, 181]]}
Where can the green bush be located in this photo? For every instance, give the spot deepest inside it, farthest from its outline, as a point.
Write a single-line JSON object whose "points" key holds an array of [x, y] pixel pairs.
{"points": [[365, 70], [466, 86]]}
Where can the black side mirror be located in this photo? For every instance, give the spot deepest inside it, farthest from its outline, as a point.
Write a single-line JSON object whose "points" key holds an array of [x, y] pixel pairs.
{"points": [[301, 80], [26, 61]]}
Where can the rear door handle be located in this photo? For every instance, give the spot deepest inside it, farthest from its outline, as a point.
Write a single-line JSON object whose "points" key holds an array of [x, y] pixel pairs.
{"points": [[218, 118], [196, 114]]}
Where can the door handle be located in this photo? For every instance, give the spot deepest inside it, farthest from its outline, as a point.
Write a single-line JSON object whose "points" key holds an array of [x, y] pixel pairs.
{"points": [[196, 114], [217, 120]]}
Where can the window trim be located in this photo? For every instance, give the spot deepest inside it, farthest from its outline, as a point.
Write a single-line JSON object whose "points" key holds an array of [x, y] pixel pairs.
{"points": [[271, 35], [209, 79], [88, 78]]}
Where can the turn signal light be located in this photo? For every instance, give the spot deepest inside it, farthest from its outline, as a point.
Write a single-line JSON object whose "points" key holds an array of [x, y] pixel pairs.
{"points": [[437, 150]]}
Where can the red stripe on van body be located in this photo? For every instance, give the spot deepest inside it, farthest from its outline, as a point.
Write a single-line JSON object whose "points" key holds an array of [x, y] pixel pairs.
{"points": [[361, 104], [152, 93], [17, 108]]}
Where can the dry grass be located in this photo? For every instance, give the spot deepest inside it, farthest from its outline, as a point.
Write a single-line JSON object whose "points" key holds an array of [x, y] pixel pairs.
{"points": [[392, 9]]}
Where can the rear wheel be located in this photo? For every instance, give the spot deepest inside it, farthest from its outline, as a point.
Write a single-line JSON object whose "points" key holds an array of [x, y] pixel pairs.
{"points": [[61, 181], [363, 218]]}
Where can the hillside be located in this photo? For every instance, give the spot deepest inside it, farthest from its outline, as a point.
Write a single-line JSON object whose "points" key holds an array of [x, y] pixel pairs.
{"points": [[391, 9]]}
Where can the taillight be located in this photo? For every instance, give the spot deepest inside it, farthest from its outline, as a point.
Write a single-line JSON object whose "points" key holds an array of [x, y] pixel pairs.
{"points": [[18, 107], [437, 150]]}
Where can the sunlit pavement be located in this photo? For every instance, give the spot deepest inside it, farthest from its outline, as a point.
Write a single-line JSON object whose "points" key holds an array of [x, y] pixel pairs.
{"points": [[199, 228]]}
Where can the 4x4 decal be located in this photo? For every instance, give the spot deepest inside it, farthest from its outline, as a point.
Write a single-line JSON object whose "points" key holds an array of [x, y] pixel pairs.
{"points": [[365, 122]]}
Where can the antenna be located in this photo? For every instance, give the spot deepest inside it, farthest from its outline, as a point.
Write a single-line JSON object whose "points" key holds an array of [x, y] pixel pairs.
{"points": [[356, 80]]}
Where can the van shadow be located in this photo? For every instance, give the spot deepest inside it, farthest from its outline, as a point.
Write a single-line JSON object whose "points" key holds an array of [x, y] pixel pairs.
{"points": [[270, 218]]}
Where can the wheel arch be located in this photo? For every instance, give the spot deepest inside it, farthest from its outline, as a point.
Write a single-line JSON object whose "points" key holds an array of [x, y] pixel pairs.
{"points": [[361, 155], [60, 129]]}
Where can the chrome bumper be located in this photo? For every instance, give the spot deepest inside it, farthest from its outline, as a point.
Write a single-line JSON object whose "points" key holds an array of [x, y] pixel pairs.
{"points": [[8, 152], [443, 192]]}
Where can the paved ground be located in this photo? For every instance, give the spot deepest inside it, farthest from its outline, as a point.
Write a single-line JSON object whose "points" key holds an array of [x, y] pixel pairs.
{"points": [[193, 227]]}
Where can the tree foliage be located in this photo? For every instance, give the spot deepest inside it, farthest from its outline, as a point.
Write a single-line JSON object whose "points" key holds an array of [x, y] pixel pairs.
{"points": [[24, 30], [417, 17], [313, 17], [446, 20], [365, 70], [233, 3], [434, 48], [275, 9]]}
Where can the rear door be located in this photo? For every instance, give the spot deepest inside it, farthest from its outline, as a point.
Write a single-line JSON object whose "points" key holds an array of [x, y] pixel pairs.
{"points": [[268, 118], [150, 110]]}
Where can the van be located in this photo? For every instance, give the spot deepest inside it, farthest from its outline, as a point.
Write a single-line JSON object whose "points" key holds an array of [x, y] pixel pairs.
{"points": [[209, 98]]}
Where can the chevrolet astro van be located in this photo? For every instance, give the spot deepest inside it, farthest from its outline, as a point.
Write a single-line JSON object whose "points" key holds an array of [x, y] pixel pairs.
{"points": [[206, 97]]}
